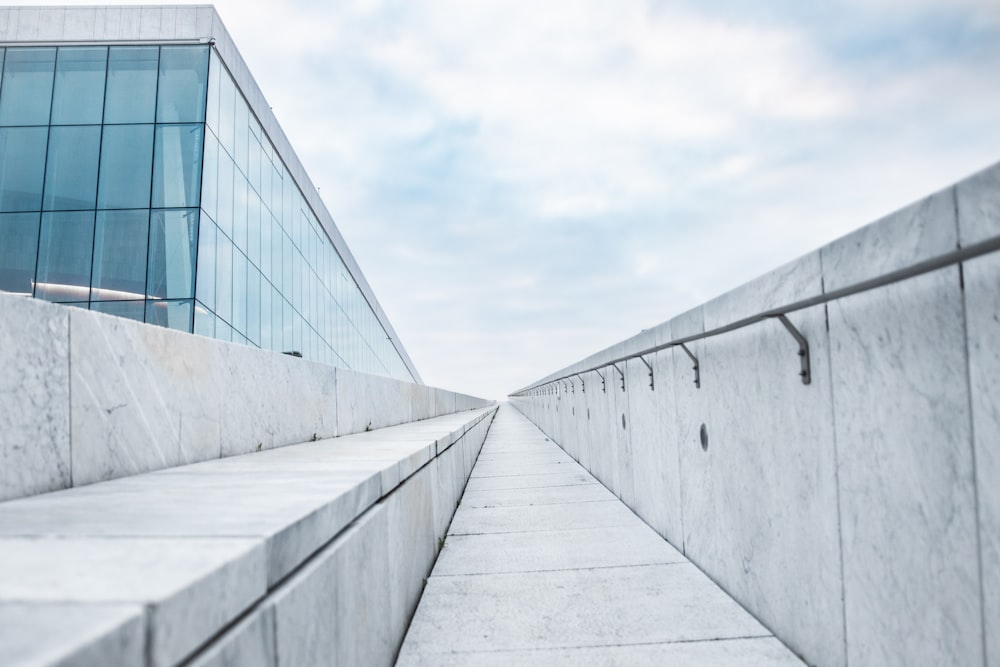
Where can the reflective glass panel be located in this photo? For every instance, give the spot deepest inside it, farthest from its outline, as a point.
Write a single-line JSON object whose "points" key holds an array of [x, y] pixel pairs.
{"points": [[22, 167], [71, 167], [78, 98], [120, 242], [265, 315], [131, 94], [239, 320], [173, 239], [18, 251], [204, 321], [224, 278], [210, 177], [225, 203], [212, 110], [26, 89], [133, 310], [183, 82], [170, 314], [126, 164], [253, 305], [65, 247], [205, 284], [177, 166]]}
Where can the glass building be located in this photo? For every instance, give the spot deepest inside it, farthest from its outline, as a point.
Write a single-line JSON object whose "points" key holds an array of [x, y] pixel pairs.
{"points": [[139, 179]]}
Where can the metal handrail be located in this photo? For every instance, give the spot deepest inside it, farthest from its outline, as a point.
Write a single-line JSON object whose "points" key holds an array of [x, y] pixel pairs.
{"points": [[941, 261]]}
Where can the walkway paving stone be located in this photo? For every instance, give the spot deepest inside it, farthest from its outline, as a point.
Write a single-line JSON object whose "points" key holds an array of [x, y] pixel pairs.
{"points": [[544, 566]]}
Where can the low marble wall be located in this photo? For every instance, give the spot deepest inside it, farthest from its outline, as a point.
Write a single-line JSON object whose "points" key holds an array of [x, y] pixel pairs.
{"points": [[858, 517], [86, 397], [313, 554]]}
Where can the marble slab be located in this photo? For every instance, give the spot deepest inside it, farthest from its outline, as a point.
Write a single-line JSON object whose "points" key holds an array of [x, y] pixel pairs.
{"points": [[905, 463], [553, 550], [546, 495], [982, 308], [528, 481], [757, 652], [761, 505], [978, 200], [200, 585], [85, 635], [335, 610], [249, 643], [528, 610], [539, 517], [918, 232], [412, 546], [34, 390]]}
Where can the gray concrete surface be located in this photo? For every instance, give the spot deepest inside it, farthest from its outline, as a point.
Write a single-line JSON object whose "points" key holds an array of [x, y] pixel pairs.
{"points": [[545, 577]]}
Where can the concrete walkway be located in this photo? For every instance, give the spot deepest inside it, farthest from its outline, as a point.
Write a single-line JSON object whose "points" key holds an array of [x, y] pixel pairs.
{"points": [[544, 566]]}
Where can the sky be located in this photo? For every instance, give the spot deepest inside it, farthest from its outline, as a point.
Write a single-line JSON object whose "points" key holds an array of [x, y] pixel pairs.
{"points": [[526, 183]]}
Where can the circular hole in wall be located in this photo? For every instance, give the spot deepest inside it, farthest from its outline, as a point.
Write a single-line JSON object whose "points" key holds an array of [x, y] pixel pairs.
{"points": [[704, 438]]}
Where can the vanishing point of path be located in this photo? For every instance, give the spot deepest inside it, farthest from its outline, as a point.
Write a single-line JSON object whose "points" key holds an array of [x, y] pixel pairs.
{"points": [[544, 566]]}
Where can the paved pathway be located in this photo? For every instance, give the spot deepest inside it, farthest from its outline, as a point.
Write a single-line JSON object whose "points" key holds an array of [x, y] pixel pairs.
{"points": [[544, 566]]}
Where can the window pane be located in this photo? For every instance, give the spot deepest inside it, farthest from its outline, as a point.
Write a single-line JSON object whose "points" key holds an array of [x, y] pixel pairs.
{"points": [[22, 167], [215, 72], [225, 207], [253, 228], [132, 310], [224, 278], [253, 305], [79, 89], [210, 177], [64, 254], [239, 320], [240, 212], [26, 90], [177, 166], [170, 314], [173, 239], [205, 285], [204, 321], [266, 341], [18, 251], [131, 96], [126, 163], [183, 83], [120, 242], [71, 168]]}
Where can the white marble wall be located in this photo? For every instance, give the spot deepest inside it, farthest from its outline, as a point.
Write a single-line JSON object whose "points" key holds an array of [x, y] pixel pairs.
{"points": [[90, 397], [857, 517], [34, 399]]}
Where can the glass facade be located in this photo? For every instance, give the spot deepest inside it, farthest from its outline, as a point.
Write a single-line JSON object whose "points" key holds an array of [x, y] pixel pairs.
{"points": [[136, 181]]}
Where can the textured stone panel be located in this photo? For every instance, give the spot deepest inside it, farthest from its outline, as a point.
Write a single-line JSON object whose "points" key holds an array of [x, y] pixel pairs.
{"points": [[979, 206], [412, 546], [757, 652], [200, 585], [918, 232], [907, 495], [249, 643], [336, 609], [982, 302], [34, 392], [763, 518], [82, 635]]}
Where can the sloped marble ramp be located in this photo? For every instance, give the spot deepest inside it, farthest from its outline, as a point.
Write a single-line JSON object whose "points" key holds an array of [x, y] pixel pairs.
{"points": [[544, 566]]}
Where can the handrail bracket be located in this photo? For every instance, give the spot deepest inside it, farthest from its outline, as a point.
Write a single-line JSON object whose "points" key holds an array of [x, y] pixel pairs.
{"points": [[696, 367], [806, 372]]}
